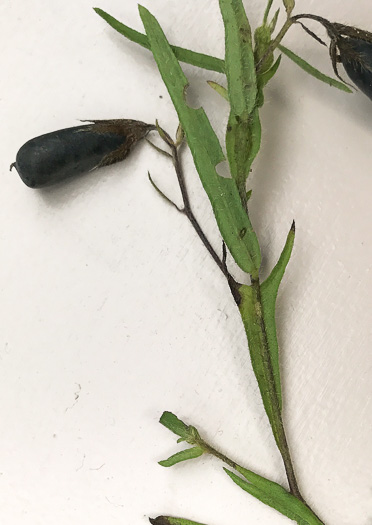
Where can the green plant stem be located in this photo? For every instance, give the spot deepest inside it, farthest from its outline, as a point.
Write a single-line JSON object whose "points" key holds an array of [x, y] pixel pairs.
{"points": [[276, 420]]}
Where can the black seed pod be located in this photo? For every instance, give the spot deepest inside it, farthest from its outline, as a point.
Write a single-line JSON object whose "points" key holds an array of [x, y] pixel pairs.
{"points": [[59, 155], [352, 47], [356, 57]]}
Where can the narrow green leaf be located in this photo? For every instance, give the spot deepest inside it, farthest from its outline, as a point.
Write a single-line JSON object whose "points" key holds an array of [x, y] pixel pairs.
{"points": [[267, 11], [168, 520], [269, 292], [264, 78], [175, 425], [271, 285], [231, 217], [242, 89], [274, 21], [252, 317], [279, 499], [267, 75], [239, 59], [184, 55], [259, 481], [184, 455], [219, 89], [313, 71], [289, 6]]}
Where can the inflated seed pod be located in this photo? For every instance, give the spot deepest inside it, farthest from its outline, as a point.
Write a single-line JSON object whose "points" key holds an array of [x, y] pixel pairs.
{"points": [[356, 57], [351, 46], [59, 155]]}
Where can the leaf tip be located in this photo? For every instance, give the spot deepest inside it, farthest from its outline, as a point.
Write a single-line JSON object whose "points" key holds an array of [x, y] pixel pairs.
{"points": [[293, 227], [142, 10]]}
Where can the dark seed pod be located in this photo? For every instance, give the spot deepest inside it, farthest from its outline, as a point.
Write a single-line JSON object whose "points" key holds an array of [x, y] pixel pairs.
{"points": [[356, 57], [59, 155], [352, 47]]}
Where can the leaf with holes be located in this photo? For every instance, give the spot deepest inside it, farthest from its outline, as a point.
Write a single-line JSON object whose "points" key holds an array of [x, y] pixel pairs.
{"points": [[231, 217]]}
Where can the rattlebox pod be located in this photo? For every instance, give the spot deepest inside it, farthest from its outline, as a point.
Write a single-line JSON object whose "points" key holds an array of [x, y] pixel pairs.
{"points": [[59, 155]]}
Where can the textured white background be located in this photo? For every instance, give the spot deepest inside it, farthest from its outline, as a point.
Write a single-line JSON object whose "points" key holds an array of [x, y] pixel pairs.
{"points": [[106, 292]]}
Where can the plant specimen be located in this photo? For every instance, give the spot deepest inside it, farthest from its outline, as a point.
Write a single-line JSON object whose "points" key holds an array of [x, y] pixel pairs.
{"points": [[249, 65]]}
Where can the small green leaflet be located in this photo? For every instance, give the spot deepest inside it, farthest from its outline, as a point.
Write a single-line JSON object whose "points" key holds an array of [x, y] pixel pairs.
{"points": [[274, 21], [277, 497], [242, 90], [184, 55], [311, 70], [267, 75], [187, 433], [267, 11], [219, 89], [223, 194], [175, 425], [184, 455]]}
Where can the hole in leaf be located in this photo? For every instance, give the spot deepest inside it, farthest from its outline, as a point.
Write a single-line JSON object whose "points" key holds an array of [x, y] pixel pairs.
{"points": [[191, 97], [223, 169]]}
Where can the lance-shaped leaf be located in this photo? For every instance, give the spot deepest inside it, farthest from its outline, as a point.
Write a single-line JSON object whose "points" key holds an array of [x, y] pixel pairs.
{"points": [[242, 89], [169, 520], [278, 498], [267, 11], [231, 217], [184, 455], [274, 21], [264, 352], [264, 78], [269, 292], [311, 70], [184, 55], [267, 75], [252, 315], [219, 89]]}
